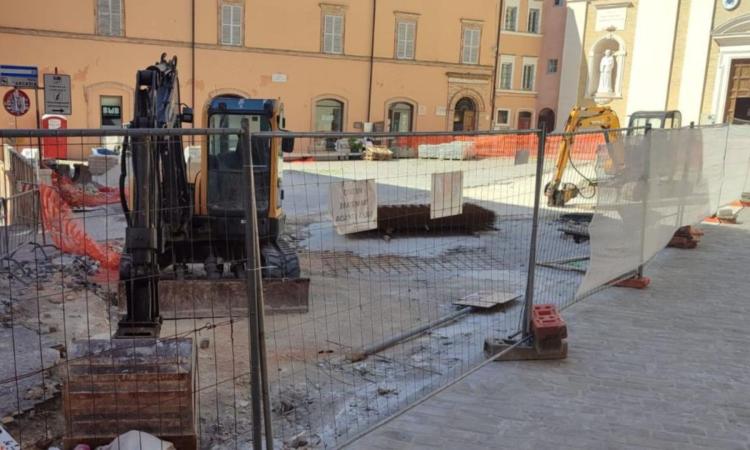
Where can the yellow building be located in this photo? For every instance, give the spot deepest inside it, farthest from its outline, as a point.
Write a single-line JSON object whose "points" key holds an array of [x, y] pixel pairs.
{"points": [[397, 64], [688, 55]]}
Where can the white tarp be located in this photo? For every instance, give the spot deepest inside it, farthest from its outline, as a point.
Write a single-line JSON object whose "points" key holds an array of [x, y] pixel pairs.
{"points": [[354, 205], [670, 178], [447, 194]]}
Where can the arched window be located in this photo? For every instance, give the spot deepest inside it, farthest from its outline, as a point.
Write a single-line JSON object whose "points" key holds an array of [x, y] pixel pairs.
{"points": [[401, 117], [329, 115], [546, 120], [465, 115]]}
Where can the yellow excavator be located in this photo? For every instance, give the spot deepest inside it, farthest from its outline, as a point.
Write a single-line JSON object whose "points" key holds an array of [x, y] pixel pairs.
{"points": [[557, 192], [599, 117]]}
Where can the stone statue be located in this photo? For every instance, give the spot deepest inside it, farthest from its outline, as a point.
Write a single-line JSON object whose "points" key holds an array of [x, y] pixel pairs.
{"points": [[606, 66]]}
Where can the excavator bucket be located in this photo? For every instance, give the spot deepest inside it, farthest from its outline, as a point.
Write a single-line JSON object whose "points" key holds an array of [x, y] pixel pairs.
{"points": [[204, 298]]}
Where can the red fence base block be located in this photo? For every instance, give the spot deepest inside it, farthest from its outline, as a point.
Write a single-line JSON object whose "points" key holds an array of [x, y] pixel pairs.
{"points": [[548, 330], [546, 323], [634, 283]]}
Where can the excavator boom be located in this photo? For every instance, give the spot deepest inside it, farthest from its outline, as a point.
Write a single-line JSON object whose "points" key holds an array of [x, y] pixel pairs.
{"points": [[600, 117]]}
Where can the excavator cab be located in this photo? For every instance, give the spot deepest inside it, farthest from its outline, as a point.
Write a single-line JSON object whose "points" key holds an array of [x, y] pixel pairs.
{"points": [[218, 191], [657, 119]]}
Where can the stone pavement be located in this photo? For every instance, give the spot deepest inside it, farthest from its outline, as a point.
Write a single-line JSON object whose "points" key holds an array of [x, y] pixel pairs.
{"points": [[664, 368]]}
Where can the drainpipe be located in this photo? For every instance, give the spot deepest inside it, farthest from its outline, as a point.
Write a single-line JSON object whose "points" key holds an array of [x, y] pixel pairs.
{"points": [[493, 92], [192, 61], [372, 59]]}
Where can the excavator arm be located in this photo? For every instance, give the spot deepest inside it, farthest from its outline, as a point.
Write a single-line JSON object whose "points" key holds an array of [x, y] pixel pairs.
{"points": [[160, 194], [557, 192]]}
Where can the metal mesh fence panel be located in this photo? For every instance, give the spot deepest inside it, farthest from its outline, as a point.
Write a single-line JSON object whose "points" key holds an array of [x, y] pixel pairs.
{"points": [[65, 378], [563, 249], [399, 236]]}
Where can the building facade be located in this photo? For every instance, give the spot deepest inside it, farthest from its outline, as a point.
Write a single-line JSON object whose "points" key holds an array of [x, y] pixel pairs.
{"points": [[399, 65], [529, 65], [636, 55]]}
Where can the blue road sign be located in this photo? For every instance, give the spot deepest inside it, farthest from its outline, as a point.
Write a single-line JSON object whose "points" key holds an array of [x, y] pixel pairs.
{"points": [[19, 76]]}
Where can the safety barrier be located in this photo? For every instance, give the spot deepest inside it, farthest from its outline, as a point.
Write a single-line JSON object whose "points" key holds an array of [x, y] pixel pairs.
{"points": [[402, 266]]}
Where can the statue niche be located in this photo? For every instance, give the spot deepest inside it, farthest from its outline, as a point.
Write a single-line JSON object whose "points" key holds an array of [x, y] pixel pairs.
{"points": [[606, 60]]}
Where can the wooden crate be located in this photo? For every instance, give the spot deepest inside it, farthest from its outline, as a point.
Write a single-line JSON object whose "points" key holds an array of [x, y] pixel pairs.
{"points": [[111, 386]]}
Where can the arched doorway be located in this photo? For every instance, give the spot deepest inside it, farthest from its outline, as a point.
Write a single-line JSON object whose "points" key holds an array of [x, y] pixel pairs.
{"points": [[546, 120], [465, 115], [329, 116], [400, 117], [524, 120]]}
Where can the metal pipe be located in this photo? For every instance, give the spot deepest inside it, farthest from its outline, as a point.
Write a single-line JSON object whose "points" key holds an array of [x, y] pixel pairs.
{"points": [[192, 60], [251, 284], [372, 58], [336, 135], [646, 178], [364, 352], [493, 92], [99, 132], [529, 296]]}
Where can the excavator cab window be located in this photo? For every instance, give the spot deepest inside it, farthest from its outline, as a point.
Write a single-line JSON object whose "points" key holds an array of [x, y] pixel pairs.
{"points": [[225, 176]]}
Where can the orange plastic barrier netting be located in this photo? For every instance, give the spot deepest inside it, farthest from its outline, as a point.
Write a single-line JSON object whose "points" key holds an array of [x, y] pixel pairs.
{"points": [[77, 196], [68, 235], [507, 145]]}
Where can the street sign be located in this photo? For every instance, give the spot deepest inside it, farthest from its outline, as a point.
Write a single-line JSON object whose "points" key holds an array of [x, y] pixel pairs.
{"points": [[18, 76], [57, 94], [16, 102]]}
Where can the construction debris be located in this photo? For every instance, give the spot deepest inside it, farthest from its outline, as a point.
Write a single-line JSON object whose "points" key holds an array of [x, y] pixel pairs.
{"points": [[137, 440], [456, 150], [415, 219], [372, 153], [685, 237]]}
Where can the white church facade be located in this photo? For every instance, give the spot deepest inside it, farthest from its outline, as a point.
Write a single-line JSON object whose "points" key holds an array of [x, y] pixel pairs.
{"points": [[656, 55]]}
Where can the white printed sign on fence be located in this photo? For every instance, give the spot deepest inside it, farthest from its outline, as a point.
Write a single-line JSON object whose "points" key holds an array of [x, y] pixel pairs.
{"points": [[354, 206], [447, 194]]}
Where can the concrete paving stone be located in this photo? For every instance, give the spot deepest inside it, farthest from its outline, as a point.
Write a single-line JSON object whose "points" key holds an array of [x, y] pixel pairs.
{"points": [[663, 368]]}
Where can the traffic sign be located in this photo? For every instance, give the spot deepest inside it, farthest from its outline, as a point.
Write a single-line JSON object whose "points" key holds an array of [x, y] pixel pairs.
{"points": [[57, 94], [16, 102], [19, 76]]}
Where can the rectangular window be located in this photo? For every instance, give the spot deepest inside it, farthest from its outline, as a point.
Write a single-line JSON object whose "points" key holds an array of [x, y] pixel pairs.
{"points": [[111, 111], [534, 15], [511, 18], [109, 17], [333, 33], [552, 66], [231, 24], [558, 2], [470, 51], [405, 34], [503, 117], [529, 72], [506, 75]]}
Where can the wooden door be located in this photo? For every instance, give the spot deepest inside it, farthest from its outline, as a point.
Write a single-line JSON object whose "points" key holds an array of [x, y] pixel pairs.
{"points": [[739, 90], [469, 121]]}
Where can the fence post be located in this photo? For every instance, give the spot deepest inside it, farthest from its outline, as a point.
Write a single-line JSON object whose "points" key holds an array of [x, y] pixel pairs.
{"points": [[252, 269], [529, 296], [6, 232], [646, 178]]}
